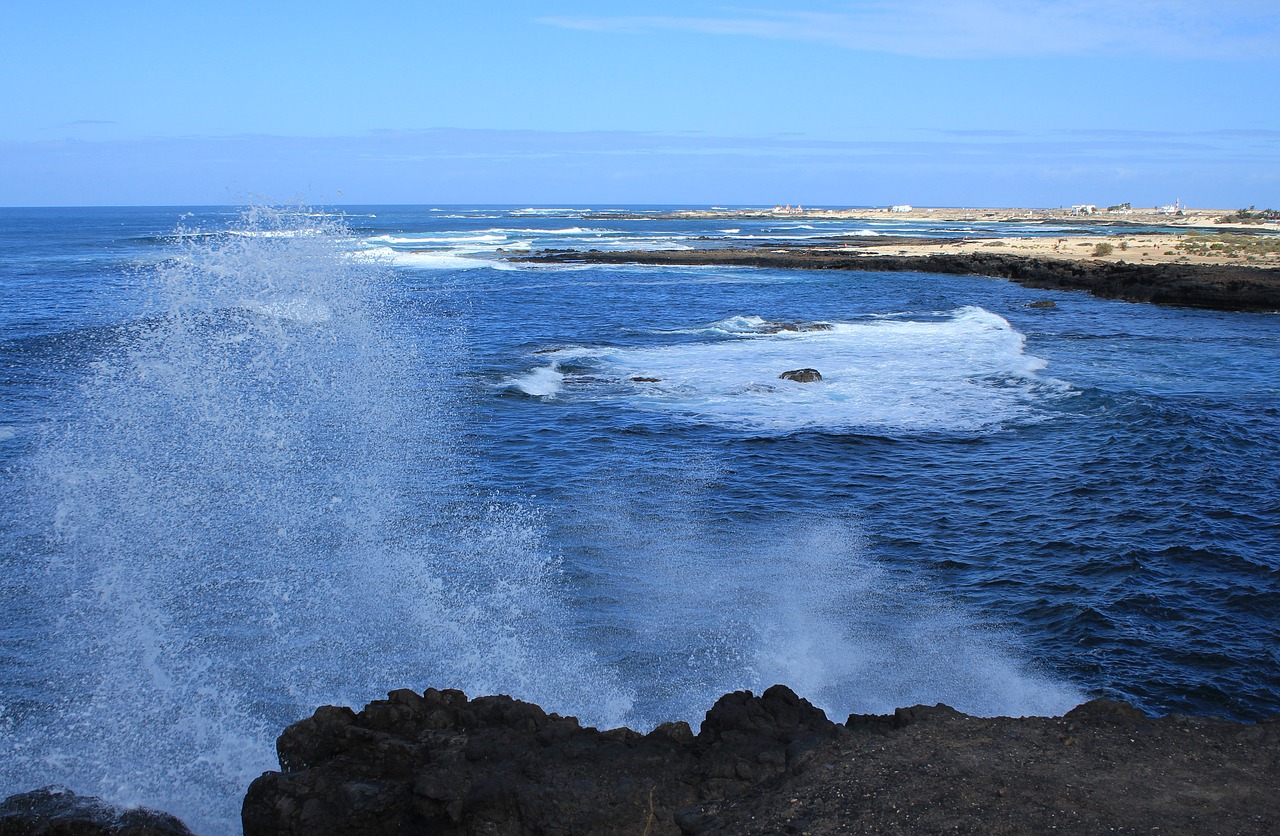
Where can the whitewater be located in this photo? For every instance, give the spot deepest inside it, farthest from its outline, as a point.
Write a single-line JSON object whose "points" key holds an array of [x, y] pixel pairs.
{"points": [[262, 460]]}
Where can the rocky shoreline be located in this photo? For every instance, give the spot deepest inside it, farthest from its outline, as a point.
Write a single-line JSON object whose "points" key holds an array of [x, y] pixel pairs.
{"points": [[1210, 286], [438, 762]]}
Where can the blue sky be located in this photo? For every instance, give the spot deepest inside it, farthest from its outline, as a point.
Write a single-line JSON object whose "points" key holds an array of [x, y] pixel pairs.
{"points": [[931, 102]]}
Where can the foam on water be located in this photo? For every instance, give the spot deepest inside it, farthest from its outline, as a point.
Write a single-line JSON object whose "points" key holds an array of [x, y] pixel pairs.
{"points": [[543, 382], [253, 509], [962, 371], [423, 239], [452, 259]]}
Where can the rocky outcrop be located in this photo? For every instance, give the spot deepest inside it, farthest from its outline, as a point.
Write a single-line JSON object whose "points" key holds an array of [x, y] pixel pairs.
{"points": [[57, 811], [439, 763], [1217, 287], [802, 375]]}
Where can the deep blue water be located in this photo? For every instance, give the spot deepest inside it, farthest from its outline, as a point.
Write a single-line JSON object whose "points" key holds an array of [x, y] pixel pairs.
{"points": [[258, 462]]}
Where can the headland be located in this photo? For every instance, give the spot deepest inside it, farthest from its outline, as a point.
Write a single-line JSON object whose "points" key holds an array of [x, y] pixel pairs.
{"points": [[1197, 258]]}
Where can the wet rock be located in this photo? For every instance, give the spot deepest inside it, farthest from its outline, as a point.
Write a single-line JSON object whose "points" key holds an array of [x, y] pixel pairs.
{"points": [[57, 811], [794, 327], [646, 380], [1043, 303], [802, 375]]}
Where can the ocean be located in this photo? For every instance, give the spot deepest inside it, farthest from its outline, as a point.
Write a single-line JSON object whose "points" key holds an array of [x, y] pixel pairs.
{"points": [[257, 461]]}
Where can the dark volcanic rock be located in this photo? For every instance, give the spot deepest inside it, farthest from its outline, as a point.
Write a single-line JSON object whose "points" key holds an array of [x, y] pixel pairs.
{"points": [[57, 811], [1218, 287], [440, 763], [801, 375]]}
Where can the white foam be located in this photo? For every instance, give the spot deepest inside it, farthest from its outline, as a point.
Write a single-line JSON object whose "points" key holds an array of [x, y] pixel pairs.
{"points": [[544, 382], [964, 371], [421, 240], [425, 259], [535, 211], [738, 325], [573, 230]]}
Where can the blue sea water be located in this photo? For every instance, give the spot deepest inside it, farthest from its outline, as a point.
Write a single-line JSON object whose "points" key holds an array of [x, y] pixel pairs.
{"points": [[259, 461]]}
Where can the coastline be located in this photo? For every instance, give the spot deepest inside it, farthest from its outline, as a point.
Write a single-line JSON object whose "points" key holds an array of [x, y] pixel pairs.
{"points": [[773, 763], [1214, 283], [439, 762], [1179, 218]]}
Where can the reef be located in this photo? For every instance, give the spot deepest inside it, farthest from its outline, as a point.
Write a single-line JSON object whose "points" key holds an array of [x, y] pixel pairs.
{"points": [[1212, 286], [438, 762]]}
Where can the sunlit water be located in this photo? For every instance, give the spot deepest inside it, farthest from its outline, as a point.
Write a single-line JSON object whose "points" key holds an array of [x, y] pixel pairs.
{"points": [[259, 462]]}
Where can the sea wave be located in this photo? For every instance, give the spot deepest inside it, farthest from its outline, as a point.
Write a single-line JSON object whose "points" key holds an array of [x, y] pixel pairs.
{"points": [[961, 371]]}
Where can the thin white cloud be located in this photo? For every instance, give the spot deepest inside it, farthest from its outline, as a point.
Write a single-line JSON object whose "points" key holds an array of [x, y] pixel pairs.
{"points": [[1190, 29]]}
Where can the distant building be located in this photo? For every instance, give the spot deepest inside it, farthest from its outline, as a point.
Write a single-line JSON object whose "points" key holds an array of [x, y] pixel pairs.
{"points": [[1084, 209], [906, 207]]}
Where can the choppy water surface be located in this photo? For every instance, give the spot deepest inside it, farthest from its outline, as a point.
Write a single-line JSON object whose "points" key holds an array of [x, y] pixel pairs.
{"points": [[258, 462]]}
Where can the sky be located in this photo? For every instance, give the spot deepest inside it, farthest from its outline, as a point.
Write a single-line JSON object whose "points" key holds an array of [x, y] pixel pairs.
{"points": [[862, 102]]}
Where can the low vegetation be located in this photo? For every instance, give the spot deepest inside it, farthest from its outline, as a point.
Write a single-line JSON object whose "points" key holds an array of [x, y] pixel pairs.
{"points": [[1252, 215], [1103, 250], [1230, 245]]}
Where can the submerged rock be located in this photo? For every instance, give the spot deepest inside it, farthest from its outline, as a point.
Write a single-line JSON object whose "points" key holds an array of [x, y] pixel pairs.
{"points": [[1043, 303], [57, 811], [802, 375], [794, 327], [437, 762]]}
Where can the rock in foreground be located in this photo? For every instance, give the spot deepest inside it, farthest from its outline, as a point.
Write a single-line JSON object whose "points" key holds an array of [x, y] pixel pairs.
{"points": [[440, 763], [57, 811]]}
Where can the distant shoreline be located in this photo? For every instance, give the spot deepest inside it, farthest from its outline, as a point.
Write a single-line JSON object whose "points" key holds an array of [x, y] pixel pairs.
{"points": [[1179, 217], [1211, 285]]}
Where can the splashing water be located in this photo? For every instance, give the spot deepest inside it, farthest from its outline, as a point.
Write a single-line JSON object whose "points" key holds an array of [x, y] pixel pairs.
{"points": [[260, 499], [255, 506]]}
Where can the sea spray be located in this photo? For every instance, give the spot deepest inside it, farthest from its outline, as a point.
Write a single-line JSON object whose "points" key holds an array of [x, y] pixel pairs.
{"points": [[713, 602], [255, 505]]}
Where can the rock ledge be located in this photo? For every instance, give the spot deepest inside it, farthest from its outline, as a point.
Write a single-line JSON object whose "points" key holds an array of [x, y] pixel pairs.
{"points": [[439, 763]]}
